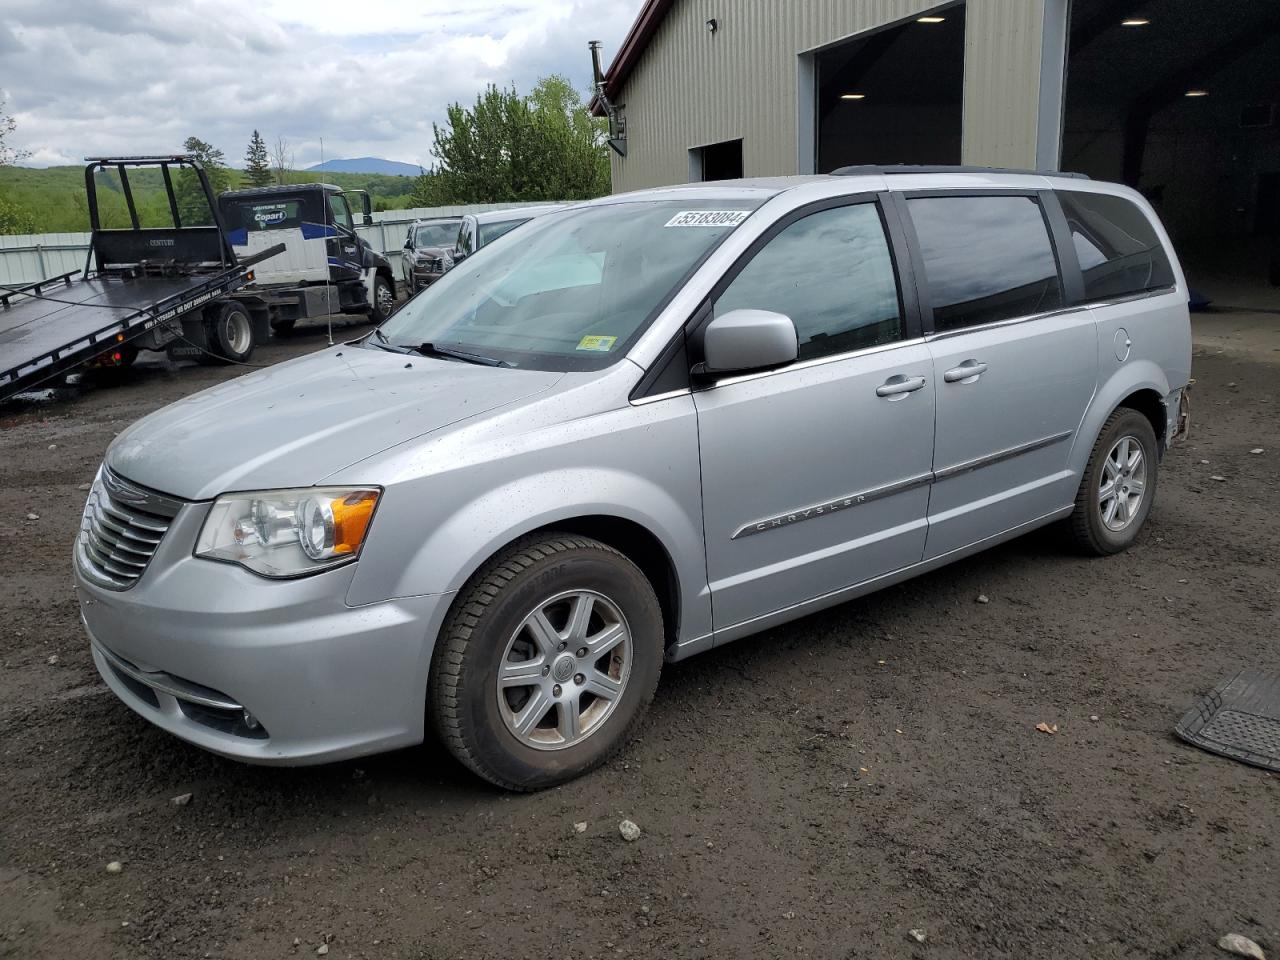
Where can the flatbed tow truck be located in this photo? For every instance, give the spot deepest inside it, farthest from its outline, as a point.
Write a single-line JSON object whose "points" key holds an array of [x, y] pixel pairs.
{"points": [[153, 288]]}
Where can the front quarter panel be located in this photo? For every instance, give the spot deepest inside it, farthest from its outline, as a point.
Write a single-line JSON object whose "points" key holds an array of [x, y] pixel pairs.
{"points": [[453, 501]]}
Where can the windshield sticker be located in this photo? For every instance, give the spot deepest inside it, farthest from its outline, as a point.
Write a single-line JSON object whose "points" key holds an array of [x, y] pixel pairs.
{"points": [[708, 218], [597, 344]]}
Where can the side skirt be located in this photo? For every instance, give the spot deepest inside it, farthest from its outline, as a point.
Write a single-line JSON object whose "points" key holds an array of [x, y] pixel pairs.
{"points": [[688, 648]]}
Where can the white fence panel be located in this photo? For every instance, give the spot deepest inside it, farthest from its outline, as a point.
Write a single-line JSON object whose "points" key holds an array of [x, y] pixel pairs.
{"points": [[26, 258]]}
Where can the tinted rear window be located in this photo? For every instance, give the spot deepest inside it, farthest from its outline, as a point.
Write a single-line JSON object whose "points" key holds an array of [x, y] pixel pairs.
{"points": [[490, 232], [985, 258], [1116, 244]]}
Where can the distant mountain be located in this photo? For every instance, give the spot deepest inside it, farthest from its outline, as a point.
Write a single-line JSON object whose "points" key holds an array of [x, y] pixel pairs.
{"points": [[393, 168]]}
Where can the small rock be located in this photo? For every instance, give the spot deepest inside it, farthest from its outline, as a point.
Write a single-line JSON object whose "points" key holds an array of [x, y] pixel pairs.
{"points": [[1257, 450], [1094, 717], [33, 516], [983, 598], [53, 661], [629, 831], [297, 941], [1241, 946], [115, 866], [1218, 478], [580, 827], [322, 950], [181, 800], [84, 486], [1047, 727], [919, 936], [1231, 384], [1204, 461], [789, 915]]}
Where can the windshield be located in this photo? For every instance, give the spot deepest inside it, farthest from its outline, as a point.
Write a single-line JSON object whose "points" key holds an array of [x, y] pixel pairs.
{"points": [[490, 232], [570, 290], [436, 235], [269, 213]]}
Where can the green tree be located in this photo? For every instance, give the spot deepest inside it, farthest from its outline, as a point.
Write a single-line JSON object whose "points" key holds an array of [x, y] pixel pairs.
{"points": [[192, 205], [13, 218], [257, 162], [509, 148]]}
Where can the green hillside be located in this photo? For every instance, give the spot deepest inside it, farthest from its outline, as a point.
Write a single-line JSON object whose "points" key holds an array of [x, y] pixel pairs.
{"points": [[54, 197]]}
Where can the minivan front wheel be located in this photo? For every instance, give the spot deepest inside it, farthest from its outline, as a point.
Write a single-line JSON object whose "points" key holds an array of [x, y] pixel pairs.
{"points": [[547, 661], [1119, 485]]}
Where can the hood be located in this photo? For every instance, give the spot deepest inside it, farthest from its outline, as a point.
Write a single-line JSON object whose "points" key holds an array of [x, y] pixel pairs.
{"points": [[434, 251], [298, 422]]}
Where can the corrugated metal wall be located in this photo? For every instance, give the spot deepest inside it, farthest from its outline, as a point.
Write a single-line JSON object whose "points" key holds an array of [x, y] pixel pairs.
{"points": [[692, 87], [26, 258]]}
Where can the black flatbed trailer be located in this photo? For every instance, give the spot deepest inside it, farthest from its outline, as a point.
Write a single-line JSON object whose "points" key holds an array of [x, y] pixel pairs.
{"points": [[148, 285]]}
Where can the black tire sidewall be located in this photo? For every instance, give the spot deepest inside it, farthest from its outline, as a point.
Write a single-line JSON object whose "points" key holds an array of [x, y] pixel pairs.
{"points": [[482, 724], [375, 314], [1133, 424], [220, 343]]}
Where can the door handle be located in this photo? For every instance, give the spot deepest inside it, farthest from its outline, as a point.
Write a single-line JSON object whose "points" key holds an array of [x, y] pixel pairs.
{"points": [[898, 386], [967, 372]]}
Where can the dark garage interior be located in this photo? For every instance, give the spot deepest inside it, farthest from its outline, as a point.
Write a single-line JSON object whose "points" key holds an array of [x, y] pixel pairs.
{"points": [[1181, 99], [894, 96]]}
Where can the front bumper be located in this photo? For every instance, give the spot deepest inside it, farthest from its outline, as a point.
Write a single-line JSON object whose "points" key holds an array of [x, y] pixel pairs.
{"points": [[420, 277], [196, 644]]}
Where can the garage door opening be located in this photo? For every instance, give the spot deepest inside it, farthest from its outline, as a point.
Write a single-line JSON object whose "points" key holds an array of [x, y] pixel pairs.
{"points": [[716, 161], [894, 96], [1194, 126]]}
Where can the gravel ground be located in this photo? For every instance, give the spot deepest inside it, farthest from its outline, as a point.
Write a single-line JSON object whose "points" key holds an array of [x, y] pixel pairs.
{"points": [[820, 790]]}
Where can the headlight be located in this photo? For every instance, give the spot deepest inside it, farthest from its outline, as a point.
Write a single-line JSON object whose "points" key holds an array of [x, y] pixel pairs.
{"points": [[288, 533]]}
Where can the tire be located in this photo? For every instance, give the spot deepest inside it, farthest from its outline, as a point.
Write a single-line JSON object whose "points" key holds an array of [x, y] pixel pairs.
{"points": [[384, 299], [230, 335], [1102, 525], [283, 326], [494, 622]]}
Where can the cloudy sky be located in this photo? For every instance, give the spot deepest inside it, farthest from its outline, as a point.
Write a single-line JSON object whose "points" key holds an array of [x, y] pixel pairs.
{"points": [[91, 77]]}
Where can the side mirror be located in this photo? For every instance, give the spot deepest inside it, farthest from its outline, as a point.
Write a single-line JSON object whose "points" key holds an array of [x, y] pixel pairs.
{"points": [[743, 340], [368, 220]]}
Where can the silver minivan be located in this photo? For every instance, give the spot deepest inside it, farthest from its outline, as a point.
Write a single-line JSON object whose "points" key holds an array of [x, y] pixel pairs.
{"points": [[625, 433]]}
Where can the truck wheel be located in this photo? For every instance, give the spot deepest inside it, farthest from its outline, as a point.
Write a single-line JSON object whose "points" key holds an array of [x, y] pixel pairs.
{"points": [[283, 326], [1118, 487], [547, 661], [230, 335], [384, 299]]}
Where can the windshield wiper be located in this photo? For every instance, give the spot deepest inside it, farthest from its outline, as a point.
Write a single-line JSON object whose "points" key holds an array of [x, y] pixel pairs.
{"points": [[384, 343], [434, 350]]}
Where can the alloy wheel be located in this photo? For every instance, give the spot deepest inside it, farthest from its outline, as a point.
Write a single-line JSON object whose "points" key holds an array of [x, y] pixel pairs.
{"points": [[1123, 483], [564, 669]]}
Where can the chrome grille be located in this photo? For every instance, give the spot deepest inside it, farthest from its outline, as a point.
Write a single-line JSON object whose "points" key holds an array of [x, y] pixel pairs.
{"points": [[120, 530]]}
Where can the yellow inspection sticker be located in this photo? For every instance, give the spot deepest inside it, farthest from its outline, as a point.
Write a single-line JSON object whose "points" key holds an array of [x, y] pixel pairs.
{"points": [[598, 344]]}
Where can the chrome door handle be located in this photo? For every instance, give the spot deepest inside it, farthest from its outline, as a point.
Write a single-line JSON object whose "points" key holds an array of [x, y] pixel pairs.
{"points": [[898, 386], [967, 372]]}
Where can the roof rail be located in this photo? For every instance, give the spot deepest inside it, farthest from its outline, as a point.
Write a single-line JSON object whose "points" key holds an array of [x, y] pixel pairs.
{"points": [[161, 158], [867, 169]]}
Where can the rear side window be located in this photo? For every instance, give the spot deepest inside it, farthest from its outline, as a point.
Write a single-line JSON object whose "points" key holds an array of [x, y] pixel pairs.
{"points": [[490, 232], [985, 259], [832, 274], [1116, 244]]}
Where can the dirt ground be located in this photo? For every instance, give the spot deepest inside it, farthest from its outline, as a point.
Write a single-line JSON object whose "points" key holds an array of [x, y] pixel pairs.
{"points": [[816, 791]]}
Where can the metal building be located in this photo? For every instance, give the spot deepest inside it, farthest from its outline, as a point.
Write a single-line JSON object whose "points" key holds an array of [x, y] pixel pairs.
{"points": [[705, 81], [1178, 98]]}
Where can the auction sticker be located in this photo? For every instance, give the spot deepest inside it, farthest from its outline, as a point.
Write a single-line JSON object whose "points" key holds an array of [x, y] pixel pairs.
{"points": [[597, 344], [708, 218]]}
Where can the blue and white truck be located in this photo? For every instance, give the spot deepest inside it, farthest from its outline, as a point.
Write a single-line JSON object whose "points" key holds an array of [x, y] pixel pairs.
{"points": [[325, 268]]}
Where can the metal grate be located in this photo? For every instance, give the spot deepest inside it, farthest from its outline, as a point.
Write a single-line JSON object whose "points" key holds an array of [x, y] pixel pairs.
{"points": [[120, 530]]}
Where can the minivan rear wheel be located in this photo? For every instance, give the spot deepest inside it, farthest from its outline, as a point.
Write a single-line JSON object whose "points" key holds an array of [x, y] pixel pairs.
{"points": [[1119, 485], [547, 661]]}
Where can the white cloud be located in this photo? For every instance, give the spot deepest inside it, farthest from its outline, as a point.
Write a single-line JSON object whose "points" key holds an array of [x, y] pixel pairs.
{"points": [[94, 77]]}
